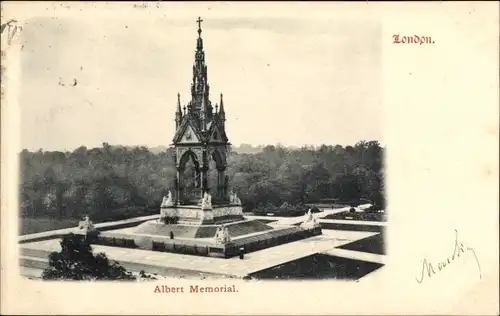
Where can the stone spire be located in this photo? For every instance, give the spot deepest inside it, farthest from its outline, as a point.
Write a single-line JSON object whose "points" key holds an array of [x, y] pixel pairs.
{"points": [[222, 113], [178, 113], [200, 105]]}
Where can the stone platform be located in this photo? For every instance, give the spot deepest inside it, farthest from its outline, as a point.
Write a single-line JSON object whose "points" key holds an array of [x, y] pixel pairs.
{"points": [[250, 235], [203, 230], [236, 228]]}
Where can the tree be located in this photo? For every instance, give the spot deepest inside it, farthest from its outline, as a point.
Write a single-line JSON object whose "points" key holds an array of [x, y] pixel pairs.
{"points": [[112, 182], [76, 261]]}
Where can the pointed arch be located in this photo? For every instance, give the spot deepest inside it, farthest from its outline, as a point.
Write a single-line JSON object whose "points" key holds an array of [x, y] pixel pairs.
{"points": [[219, 159], [185, 158]]}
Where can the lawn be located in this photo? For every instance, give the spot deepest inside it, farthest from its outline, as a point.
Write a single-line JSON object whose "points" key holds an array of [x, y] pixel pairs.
{"points": [[31, 225], [266, 221], [36, 225], [319, 266], [373, 244], [365, 216]]}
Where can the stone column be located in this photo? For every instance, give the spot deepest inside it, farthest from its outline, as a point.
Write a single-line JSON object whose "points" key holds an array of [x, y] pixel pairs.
{"points": [[219, 195], [226, 185], [220, 183], [204, 182], [203, 175], [177, 178], [180, 185]]}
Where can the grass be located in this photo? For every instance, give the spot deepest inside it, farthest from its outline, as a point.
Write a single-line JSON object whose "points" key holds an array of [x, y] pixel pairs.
{"points": [[319, 266], [378, 217], [32, 225], [373, 244], [266, 221], [41, 224]]}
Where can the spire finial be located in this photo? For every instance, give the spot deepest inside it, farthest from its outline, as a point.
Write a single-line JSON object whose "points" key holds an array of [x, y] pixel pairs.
{"points": [[179, 104], [178, 112], [199, 25], [221, 106]]}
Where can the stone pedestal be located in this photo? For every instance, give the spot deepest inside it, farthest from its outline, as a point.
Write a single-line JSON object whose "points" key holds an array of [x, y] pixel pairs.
{"points": [[86, 226], [311, 223], [196, 214]]}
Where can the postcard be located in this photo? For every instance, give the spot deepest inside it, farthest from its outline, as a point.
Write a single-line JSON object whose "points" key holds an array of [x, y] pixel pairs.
{"points": [[269, 158]]}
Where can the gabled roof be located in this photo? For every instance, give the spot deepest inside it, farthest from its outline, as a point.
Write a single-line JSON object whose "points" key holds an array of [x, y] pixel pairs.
{"points": [[216, 126], [212, 127], [187, 120]]}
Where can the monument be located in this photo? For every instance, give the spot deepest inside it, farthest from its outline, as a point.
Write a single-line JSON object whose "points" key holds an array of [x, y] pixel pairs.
{"points": [[200, 215], [200, 137]]}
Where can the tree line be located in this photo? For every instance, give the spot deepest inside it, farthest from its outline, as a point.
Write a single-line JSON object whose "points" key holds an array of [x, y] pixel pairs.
{"points": [[114, 182]]}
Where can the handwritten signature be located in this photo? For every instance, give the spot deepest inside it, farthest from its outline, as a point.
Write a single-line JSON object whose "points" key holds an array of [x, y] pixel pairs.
{"points": [[458, 250]]}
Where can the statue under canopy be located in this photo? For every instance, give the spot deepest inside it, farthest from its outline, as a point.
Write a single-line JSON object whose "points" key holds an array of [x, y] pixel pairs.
{"points": [[167, 200], [206, 201], [234, 199]]}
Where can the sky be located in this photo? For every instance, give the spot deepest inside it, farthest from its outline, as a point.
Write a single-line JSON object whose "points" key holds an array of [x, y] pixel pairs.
{"points": [[290, 81]]}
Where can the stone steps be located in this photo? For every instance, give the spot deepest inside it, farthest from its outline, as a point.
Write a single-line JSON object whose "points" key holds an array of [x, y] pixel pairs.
{"points": [[31, 273], [33, 262], [268, 235], [246, 228], [35, 253], [204, 231]]}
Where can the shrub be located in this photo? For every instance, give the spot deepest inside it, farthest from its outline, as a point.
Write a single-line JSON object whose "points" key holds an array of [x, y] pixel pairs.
{"points": [[77, 262]]}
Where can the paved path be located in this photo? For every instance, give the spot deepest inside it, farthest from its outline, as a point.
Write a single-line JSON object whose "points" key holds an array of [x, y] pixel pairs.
{"points": [[346, 221], [356, 255], [279, 220]]}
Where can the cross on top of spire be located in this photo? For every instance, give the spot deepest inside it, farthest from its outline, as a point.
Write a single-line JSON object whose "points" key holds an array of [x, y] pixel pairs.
{"points": [[199, 25]]}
